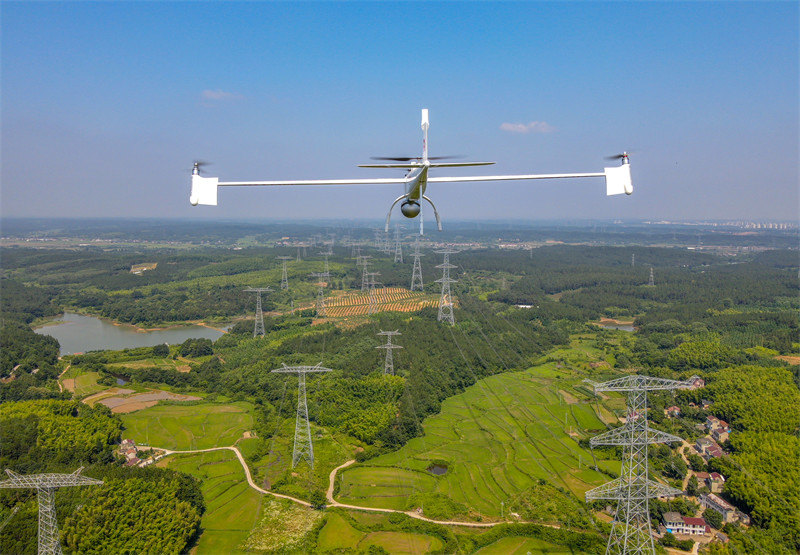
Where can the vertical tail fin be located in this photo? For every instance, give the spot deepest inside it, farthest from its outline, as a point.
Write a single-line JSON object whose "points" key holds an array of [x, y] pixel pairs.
{"points": [[425, 125]]}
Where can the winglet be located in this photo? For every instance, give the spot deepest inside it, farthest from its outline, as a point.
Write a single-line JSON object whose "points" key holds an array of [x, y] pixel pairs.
{"points": [[204, 190], [618, 180]]}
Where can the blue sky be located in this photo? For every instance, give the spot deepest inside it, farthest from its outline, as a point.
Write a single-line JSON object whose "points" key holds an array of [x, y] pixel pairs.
{"points": [[105, 105]]}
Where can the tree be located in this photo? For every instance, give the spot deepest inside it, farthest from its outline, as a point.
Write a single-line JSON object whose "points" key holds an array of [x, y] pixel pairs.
{"points": [[161, 350], [713, 518], [696, 462], [692, 486]]}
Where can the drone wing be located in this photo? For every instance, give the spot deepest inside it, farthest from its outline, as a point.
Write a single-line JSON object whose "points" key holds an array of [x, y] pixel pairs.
{"points": [[618, 178], [204, 189]]}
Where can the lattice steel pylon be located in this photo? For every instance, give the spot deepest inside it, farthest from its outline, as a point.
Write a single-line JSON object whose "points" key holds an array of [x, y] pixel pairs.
{"points": [[388, 365], [321, 293], [416, 273], [373, 300], [630, 531], [46, 486], [326, 254], [284, 274], [364, 261], [651, 282], [398, 248], [258, 327], [446, 298], [303, 446], [298, 253]]}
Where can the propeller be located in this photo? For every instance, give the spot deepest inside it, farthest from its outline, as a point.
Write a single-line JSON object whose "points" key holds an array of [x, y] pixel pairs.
{"points": [[408, 159], [200, 164], [619, 156]]}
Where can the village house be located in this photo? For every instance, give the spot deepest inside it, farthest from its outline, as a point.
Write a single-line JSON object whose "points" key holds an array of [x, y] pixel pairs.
{"points": [[697, 383], [708, 448], [673, 411], [677, 524], [724, 508], [714, 423], [705, 404], [715, 482], [720, 435]]}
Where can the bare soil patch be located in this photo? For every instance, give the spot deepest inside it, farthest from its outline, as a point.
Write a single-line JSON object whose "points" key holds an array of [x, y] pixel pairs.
{"points": [[568, 398], [139, 401], [91, 399], [791, 359], [68, 384]]}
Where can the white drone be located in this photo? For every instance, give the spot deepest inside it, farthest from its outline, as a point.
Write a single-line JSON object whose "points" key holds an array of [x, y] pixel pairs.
{"points": [[618, 179]]}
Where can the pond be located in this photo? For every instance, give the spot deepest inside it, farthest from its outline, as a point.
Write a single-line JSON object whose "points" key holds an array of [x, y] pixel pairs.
{"points": [[437, 469], [77, 333]]}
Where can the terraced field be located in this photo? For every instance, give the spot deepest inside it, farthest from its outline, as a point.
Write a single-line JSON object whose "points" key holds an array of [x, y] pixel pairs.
{"points": [[339, 534], [185, 427], [498, 438], [232, 507]]}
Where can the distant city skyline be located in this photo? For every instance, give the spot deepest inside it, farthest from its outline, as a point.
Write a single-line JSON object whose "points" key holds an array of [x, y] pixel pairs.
{"points": [[106, 105]]}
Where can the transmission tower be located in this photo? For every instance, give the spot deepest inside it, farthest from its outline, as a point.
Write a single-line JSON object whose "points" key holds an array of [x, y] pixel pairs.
{"points": [[258, 328], [320, 293], [651, 281], [416, 274], [298, 253], [46, 486], [284, 275], [388, 365], [633, 260], [446, 299], [630, 531], [303, 448], [364, 261], [326, 254], [398, 249], [373, 300]]}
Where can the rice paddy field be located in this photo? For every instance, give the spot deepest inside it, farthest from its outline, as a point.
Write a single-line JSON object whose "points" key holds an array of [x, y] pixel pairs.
{"points": [[339, 534], [187, 427], [232, 507], [496, 439]]}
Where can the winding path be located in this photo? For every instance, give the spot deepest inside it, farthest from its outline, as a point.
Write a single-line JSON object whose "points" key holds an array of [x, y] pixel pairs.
{"points": [[329, 494]]}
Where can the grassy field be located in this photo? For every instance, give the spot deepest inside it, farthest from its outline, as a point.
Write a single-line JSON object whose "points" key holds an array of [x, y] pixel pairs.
{"points": [[339, 534], [498, 438], [518, 545], [185, 427], [81, 382], [274, 471], [232, 507]]}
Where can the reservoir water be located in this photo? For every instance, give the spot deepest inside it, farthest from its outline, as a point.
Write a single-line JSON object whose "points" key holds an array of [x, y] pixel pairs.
{"points": [[77, 333]]}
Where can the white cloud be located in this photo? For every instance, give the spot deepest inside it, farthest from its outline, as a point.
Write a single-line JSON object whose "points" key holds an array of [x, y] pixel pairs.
{"points": [[532, 127], [209, 97]]}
